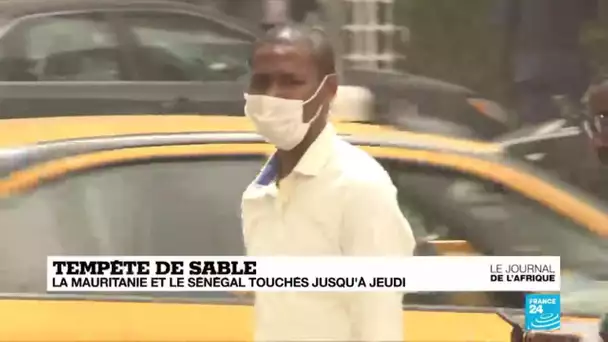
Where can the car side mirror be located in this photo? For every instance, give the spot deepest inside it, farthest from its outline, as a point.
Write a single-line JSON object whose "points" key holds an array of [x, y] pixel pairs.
{"points": [[352, 104], [569, 109]]}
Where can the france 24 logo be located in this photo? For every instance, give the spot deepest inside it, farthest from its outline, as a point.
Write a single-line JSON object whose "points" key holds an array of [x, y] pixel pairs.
{"points": [[542, 312]]}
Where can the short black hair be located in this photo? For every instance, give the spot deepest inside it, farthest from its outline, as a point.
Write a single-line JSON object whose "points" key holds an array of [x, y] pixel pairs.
{"points": [[315, 37]]}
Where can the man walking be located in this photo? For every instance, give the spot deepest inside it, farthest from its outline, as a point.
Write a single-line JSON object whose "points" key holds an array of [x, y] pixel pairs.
{"points": [[316, 196]]}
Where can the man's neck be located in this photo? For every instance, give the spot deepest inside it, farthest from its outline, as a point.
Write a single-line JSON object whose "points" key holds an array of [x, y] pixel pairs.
{"points": [[287, 160]]}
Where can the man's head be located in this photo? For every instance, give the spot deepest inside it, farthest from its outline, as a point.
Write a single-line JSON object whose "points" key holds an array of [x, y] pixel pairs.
{"points": [[295, 63], [598, 99], [598, 109]]}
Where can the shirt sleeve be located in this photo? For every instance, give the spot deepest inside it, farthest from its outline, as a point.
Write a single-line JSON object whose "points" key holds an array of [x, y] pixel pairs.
{"points": [[375, 226]]}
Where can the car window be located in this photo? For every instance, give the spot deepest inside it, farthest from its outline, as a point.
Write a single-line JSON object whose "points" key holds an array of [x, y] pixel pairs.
{"points": [[178, 47], [583, 295], [177, 207], [493, 215], [494, 219], [76, 47]]}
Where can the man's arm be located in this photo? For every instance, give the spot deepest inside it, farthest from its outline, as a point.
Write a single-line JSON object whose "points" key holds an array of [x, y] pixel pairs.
{"points": [[375, 226]]}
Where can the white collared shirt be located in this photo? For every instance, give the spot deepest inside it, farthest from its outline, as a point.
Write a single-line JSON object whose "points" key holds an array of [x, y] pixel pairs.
{"points": [[337, 201]]}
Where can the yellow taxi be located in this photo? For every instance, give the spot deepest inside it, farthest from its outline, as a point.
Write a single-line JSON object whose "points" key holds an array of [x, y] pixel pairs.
{"points": [[171, 185]]}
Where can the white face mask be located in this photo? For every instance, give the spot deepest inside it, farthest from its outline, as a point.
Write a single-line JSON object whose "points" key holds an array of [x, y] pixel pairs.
{"points": [[280, 121]]}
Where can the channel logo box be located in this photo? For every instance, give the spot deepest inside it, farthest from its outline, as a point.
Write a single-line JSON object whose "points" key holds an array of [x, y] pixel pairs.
{"points": [[542, 312]]}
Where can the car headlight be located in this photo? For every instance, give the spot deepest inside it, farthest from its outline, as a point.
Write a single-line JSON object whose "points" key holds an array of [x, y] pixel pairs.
{"points": [[490, 109]]}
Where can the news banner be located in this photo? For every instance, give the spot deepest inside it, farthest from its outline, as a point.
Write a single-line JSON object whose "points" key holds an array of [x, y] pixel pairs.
{"points": [[213, 273]]}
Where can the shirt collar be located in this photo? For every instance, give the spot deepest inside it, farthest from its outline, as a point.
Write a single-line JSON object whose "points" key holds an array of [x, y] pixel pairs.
{"points": [[310, 164], [269, 172], [317, 154]]}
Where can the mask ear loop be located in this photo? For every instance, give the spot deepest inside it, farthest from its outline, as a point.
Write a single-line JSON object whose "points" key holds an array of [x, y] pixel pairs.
{"points": [[320, 109], [318, 88]]}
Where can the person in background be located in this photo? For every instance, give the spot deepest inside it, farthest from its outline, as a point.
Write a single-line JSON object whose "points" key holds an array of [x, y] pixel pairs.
{"points": [[597, 129], [316, 196], [543, 52], [597, 104]]}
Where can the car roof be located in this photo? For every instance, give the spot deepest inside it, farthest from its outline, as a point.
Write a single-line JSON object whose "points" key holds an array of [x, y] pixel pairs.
{"points": [[21, 132]]}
